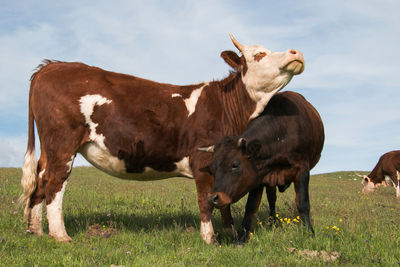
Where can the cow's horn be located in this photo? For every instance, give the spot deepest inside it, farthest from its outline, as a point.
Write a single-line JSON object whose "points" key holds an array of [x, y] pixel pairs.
{"points": [[236, 43], [242, 143], [209, 149]]}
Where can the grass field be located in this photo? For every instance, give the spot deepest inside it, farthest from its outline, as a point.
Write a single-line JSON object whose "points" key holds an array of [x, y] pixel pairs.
{"points": [[129, 223]]}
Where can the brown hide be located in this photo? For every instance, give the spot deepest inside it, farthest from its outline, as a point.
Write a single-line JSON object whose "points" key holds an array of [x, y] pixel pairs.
{"points": [[143, 125], [388, 164]]}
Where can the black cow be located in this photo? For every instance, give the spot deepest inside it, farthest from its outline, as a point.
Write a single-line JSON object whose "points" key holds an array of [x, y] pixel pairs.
{"points": [[279, 147]]}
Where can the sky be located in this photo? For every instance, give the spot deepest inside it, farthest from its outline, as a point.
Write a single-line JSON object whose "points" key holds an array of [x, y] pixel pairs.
{"points": [[351, 49]]}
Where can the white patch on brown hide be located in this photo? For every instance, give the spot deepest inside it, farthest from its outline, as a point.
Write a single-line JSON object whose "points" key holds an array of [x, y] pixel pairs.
{"points": [[191, 102], [87, 104]]}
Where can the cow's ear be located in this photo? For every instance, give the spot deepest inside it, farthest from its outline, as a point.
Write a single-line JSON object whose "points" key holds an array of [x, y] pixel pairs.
{"points": [[232, 59], [254, 147]]}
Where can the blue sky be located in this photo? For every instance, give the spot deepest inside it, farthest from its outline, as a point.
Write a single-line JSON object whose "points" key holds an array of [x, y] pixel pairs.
{"points": [[351, 50]]}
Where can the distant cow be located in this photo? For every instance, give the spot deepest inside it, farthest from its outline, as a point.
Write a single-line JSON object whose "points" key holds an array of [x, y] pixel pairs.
{"points": [[386, 171], [279, 147], [123, 124]]}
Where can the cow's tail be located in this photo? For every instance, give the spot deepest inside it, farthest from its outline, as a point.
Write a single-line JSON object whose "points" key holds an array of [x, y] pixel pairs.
{"points": [[29, 171]]}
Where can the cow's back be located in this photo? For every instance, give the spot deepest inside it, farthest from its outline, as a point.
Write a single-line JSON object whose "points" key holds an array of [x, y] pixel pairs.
{"points": [[131, 119], [388, 162], [289, 127]]}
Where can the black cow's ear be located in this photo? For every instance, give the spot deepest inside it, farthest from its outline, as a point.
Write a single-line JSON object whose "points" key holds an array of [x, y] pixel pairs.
{"points": [[232, 59], [254, 147]]}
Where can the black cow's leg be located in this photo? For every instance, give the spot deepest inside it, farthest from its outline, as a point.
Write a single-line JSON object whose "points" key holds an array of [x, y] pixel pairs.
{"points": [[226, 215], [227, 220], [302, 198], [271, 195], [253, 202]]}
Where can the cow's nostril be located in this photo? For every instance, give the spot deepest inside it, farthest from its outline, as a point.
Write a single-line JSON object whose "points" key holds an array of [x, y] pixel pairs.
{"points": [[292, 51], [215, 199]]}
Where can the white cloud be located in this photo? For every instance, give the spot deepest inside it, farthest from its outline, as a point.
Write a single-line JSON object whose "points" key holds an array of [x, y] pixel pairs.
{"points": [[12, 151]]}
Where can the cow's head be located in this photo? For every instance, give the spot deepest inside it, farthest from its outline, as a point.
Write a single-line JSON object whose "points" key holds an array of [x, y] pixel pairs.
{"points": [[369, 185], [263, 70], [233, 171]]}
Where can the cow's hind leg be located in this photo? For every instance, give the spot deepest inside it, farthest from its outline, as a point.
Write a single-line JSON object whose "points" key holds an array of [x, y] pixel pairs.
{"points": [[36, 202], [302, 198], [55, 180]]}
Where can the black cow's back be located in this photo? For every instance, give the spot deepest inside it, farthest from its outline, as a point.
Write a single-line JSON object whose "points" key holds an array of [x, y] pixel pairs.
{"points": [[290, 128]]}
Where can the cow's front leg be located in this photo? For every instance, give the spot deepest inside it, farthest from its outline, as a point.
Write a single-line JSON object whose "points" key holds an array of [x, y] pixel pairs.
{"points": [[253, 202], [302, 198], [227, 221], [396, 182], [226, 215], [204, 182], [271, 196], [206, 227]]}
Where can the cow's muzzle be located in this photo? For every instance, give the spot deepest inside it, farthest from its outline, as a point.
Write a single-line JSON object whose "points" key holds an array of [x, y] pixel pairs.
{"points": [[219, 200]]}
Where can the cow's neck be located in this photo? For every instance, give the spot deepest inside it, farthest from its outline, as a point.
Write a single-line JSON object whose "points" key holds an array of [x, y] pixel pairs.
{"points": [[237, 105], [376, 174], [262, 99]]}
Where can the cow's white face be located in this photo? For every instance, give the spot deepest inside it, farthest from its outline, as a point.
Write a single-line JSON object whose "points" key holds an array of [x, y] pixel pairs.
{"points": [[369, 186], [264, 73], [270, 71]]}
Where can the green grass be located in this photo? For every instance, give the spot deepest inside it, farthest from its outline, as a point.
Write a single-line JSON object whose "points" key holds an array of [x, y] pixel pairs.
{"points": [[157, 224]]}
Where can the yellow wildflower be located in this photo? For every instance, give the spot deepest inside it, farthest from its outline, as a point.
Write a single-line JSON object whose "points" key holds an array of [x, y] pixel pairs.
{"points": [[327, 228], [277, 215], [298, 217], [340, 220], [260, 223], [281, 220]]}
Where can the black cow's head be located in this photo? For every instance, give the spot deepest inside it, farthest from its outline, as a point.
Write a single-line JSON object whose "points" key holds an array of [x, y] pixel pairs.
{"points": [[233, 170]]}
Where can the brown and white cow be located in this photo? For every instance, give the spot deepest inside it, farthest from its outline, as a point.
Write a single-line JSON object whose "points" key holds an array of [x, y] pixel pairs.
{"points": [[278, 148], [386, 171], [123, 125]]}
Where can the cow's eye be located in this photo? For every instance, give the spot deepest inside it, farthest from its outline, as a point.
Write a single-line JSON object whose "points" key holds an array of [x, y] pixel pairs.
{"points": [[235, 165]]}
